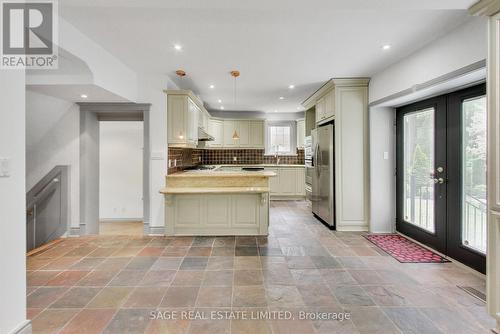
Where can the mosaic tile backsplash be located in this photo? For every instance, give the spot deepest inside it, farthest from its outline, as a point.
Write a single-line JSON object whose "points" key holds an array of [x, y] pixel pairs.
{"points": [[187, 157]]}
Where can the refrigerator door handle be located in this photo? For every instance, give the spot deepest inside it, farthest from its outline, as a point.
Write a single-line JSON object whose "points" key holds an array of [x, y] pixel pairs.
{"points": [[317, 162]]}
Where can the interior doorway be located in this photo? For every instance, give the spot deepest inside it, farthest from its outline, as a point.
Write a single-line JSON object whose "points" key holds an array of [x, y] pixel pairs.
{"points": [[92, 116], [441, 174], [121, 145]]}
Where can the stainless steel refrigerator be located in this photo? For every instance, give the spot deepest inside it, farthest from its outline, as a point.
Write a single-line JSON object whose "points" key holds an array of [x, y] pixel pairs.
{"points": [[323, 181]]}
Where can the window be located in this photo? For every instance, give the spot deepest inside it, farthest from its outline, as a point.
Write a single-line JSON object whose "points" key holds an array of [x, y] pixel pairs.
{"points": [[280, 138]]}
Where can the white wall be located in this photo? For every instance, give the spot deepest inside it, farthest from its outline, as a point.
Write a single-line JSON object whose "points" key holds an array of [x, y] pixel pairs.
{"points": [[120, 173], [151, 91], [382, 168], [464, 46], [52, 138], [13, 203], [107, 70]]}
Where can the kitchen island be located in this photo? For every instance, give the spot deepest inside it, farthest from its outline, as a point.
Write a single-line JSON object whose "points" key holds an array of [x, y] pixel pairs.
{"points": [[217, 202]]}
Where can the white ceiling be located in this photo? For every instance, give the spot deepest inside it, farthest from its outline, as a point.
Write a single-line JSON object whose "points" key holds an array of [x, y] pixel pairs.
{"points": [[273, 43]]}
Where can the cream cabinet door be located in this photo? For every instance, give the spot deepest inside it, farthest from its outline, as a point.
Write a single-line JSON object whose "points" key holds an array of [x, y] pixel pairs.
{"points": [[188, 211], [256, 134], [320, 110], [216, 129], [300, 176], [176, 118], [244, 133], [192, 123], [288, 181], [229, 128], [218, 211], [329, 110], [301, 133], [245, 211], [274, 181], [200, 118]]}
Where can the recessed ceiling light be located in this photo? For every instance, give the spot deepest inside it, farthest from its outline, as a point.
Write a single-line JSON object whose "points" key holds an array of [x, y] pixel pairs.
{"points": [[219, 100], [275, 110], [291, 86], [221, 107], [212, 86], [282, 98], [386, 47], [83, 96], [298, 108], [178, 47]]}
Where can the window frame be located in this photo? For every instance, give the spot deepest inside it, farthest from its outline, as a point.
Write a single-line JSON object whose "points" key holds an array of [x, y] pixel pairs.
{"points": [[293, 137]]}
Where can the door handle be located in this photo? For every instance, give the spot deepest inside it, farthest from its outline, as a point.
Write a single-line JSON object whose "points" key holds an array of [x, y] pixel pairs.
{"points": [[319, 163]]}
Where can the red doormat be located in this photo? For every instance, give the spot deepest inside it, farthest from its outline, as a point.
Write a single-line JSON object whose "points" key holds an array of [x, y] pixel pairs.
{"points": [[404, 250]]}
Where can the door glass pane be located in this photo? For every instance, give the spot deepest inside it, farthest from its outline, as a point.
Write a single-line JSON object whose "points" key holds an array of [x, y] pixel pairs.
{"points": [[474, 173], [418, 148]]}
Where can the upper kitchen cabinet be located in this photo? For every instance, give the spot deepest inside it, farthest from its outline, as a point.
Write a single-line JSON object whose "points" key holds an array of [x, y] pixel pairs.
{"points": [[301, 133], [216, 129], [185, 113], [346, 102], [203, 118], [244, 134], [241, 134], [256, 134], [325, 106], [231, 130]]}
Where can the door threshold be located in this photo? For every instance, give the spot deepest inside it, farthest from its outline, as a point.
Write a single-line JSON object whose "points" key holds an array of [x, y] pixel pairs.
{"points": [[456, 262]]}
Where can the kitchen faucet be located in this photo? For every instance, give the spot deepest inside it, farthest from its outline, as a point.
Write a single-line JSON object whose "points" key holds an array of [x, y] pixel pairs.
{"points": [[276, 154]]}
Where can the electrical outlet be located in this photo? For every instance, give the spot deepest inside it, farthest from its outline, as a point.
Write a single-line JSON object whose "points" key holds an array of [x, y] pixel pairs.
{"points": [[235, 158]]}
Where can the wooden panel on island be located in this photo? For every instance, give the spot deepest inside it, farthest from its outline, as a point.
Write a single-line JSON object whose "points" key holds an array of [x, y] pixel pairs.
{"points": [[217, 203]]}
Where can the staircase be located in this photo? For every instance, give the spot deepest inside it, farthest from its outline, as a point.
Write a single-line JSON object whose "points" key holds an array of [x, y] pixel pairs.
{"points": [[47, 208]]}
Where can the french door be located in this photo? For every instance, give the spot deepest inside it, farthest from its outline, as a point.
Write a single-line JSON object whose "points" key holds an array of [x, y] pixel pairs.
{"points": [[441, 174]]}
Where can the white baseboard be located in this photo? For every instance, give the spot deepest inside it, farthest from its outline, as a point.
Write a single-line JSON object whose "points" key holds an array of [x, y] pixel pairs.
{"points": [[156, 230], [111, 220], [352, 228], [74, 231]]}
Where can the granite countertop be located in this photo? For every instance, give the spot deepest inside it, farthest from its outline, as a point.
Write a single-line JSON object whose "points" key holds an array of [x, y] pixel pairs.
{"points": [[213, 190], [217, 181], [218, 173], [260, 165]]}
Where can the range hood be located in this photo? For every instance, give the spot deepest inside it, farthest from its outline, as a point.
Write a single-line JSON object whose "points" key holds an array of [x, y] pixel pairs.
{"points": [[204, 136]]}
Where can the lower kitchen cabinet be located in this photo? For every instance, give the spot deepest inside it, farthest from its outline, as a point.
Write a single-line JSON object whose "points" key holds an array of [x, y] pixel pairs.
{"points": [[217, 214], [289, 182]]}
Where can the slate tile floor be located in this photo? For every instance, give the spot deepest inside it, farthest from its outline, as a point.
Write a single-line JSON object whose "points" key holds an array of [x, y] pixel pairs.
{"points": [[110, 284]]}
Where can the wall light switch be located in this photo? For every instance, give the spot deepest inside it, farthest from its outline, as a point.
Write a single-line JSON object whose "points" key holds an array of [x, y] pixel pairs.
{"points": [[169, 163], [4, 167], [386, 155], [175, 162]]}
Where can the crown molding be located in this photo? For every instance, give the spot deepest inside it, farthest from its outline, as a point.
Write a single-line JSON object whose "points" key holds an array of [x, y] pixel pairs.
{"points": [[331, 84], [485, 8], [190, 94]]}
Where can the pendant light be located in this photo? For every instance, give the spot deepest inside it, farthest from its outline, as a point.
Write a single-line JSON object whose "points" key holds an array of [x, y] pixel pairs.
{"points": [[235, 74]]}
